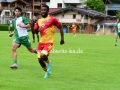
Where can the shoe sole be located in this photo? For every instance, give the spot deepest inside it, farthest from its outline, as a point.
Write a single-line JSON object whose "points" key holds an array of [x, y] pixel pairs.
{"points": [[13, 67]]}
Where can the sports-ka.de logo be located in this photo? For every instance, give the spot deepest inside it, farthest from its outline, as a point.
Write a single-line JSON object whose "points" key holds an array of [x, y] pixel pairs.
{"points": [[67, 50]]}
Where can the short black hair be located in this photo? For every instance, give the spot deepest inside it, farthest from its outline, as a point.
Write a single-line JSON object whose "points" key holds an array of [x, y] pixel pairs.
{"points": [[18, 9], [44, 5]]}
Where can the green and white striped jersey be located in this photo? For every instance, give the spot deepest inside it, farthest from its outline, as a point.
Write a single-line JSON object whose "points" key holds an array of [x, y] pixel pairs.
{"points": [[18, 31]]}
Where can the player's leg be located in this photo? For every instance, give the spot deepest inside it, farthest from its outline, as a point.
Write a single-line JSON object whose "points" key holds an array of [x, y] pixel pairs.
{"points": [[9, 29], [43, 52], [32, 50], [37, 33], [33, 35], [116, 39], [74, 33], [14, 54], [26, 42], [43, 60], [37, 37]]}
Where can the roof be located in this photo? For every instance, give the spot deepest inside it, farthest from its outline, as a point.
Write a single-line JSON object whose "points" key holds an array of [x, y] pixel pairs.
{"points": [[87, 11], [107, 22], [12, 1], [54, 9], [6, 0]]}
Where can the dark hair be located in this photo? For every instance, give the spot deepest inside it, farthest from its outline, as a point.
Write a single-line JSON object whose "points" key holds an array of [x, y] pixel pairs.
{"points": [[18, 9], [44, 5]]}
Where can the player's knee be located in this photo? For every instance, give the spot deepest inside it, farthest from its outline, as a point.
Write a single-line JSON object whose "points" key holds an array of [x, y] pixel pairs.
{"points": [[13, 48], [44, 57]]}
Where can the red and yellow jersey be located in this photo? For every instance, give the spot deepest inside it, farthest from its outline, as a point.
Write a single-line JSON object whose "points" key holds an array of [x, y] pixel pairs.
{"points": [[74, 27], [47, 27]]}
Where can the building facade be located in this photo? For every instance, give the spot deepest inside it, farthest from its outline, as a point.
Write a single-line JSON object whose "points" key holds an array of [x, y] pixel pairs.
{"points": [[64, 3], [85, 19], [66, 11], [7, 8]]}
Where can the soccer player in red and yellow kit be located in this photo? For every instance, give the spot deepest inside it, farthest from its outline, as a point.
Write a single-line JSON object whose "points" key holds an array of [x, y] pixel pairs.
{"points": [[74, 29], [47, 24]]}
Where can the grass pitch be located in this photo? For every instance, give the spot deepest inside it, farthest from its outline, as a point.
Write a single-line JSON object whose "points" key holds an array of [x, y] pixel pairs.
{"points": [[84, 62]]}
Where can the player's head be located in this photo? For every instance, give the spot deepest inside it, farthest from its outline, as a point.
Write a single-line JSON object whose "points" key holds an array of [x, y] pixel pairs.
{"points": [[17, 11], [34, 18], [44, 10], [118, 20]]}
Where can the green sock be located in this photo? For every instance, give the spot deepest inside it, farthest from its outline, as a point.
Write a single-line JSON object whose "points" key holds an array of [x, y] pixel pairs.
{"points": [[116, 41], [15, 61]]}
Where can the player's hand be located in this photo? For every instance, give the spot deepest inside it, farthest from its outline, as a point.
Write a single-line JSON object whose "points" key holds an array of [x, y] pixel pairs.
{"points": [[31, 23], [62, 42], [10, 35]]}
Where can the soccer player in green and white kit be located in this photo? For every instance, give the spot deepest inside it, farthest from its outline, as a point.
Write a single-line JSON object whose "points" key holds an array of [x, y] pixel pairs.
{"points": [[117, 31], [20, 24], [10, 27]]}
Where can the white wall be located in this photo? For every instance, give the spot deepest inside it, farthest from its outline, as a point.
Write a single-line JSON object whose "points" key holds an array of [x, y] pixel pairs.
{"points": [[53, 3], [3, 18], [30, 14], [48, 3]]}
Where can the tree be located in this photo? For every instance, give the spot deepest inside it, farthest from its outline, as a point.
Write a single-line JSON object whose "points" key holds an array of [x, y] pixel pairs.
{"points": [[97, 5], [118, 14]]}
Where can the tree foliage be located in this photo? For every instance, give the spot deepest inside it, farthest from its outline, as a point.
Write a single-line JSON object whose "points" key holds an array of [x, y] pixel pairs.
{"points": [[118, 14], [97, 5]]}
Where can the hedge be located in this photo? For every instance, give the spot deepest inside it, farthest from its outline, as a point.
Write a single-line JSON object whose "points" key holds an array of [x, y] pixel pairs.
{"points": [[3, 27]]}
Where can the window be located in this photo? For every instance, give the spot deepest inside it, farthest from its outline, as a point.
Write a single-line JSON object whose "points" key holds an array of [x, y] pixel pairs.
{"points": [[36, 0], [7, 14], [36, 7], [46, 0], [74, 5], [59, 5], [74, 16], [28, 8], [28, 1], [12, 5]]}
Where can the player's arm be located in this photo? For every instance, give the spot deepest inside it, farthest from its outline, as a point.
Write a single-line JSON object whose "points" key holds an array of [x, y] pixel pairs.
{"points": [[24, 26], [114, 28], [75, 26], [36, 27], [26, 22], [58, 25], [62, 34], [11, 34], [118, 27]]}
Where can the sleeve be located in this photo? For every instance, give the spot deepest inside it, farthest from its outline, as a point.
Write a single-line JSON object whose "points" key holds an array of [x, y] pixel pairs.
{"points": [[36, 25], [56, 22], [25, 21]]}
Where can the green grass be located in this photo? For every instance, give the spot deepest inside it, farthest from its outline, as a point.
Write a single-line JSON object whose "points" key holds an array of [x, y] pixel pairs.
{"points": [[96, 68]]}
